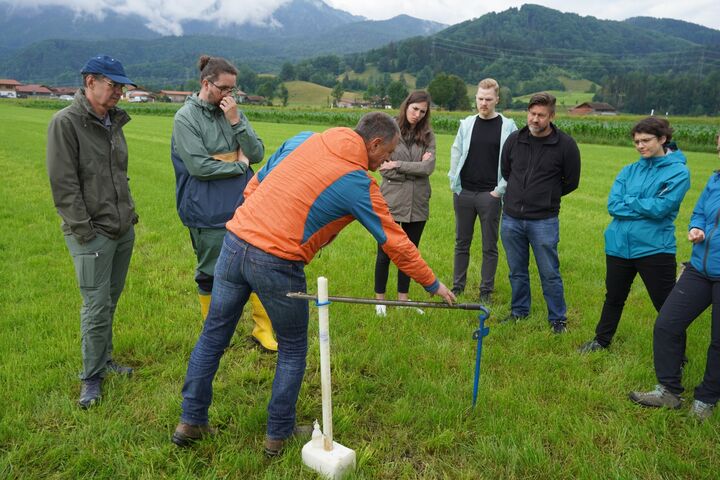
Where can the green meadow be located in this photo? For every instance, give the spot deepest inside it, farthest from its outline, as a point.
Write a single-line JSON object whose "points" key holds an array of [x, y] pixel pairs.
{"points": [[402, 385]]}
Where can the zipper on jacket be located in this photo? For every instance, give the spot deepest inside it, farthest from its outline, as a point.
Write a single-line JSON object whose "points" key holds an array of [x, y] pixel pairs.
{"points": [[707, 243], [112, 177]]}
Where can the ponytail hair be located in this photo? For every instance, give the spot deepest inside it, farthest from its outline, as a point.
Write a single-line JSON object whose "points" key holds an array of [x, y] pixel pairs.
{"points": [[211, 67]]}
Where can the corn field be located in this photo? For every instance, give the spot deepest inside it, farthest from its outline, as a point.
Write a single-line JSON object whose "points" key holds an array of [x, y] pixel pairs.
{"points": [[691, 133]]}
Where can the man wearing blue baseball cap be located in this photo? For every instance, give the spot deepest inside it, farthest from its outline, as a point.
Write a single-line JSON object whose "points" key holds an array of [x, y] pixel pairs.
{"points": [[87, 161]]}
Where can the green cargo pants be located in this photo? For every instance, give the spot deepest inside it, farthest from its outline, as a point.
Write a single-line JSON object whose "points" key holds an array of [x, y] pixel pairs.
{"points": [[206, 243], [101, 266]]}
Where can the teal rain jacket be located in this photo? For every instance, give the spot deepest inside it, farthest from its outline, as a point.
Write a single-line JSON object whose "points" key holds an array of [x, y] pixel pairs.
{"points": [[706, 254], [644, 201]]}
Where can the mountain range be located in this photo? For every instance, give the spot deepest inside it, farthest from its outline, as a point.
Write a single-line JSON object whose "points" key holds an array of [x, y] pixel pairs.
{"points": [[50, 44], [519, 44]]}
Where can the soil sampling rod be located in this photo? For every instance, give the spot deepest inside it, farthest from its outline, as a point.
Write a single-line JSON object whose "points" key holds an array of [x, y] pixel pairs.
{"points": [[391, 303]]}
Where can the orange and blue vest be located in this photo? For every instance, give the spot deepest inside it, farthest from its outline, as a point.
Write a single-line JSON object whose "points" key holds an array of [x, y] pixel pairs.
{"points": [[312, 187]]}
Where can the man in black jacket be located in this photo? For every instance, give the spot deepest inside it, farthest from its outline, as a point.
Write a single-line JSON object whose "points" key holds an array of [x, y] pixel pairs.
{"points": [[541, 164]]}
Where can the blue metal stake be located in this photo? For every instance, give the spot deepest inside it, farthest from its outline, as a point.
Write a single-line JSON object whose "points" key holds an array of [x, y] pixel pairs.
{"points": [[478, 335]]}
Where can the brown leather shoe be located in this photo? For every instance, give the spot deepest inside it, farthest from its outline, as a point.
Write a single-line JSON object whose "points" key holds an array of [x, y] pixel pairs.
{"points": [[274, 447], [186, 434]]}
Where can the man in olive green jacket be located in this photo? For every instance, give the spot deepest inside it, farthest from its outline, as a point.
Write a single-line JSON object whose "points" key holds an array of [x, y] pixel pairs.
{"points": [[87, 161]]}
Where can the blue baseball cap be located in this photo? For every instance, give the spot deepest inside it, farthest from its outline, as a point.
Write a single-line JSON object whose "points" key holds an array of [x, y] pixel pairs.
{"points": [[109, 67]]}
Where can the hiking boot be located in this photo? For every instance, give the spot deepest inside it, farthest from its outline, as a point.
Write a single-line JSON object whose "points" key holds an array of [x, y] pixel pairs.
{"points": [[274, 447], [485, 298], [701, 411], [119, 369], [90, 392], [457, 291], [186, 434], [660, 397], [381, 310], [512, 318], [591, 346], [558, 327]]}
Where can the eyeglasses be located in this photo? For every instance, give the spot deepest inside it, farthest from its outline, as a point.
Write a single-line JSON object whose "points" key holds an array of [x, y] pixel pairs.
{"points": [[114, 85], [644, 141], [223, 90]]}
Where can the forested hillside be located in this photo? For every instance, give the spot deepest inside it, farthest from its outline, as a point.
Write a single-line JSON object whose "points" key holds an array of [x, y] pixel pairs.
{"points": [[527, 49]]}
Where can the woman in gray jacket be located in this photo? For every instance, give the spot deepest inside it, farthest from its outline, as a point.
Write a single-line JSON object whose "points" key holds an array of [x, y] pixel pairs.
{"points": [[406, 184]]}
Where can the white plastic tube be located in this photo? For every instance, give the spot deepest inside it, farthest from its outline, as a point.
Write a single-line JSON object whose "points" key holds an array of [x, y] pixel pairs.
{"points": [[323, 310]]}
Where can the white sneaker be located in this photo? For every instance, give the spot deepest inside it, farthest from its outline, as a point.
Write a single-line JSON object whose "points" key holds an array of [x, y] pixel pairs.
{"points": [[381, 310]]}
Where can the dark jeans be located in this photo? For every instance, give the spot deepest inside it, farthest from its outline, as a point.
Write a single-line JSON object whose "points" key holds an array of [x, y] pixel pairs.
{"points": [[543, 236], [692, 294], [469, 206], [241, 269], [382, 262], [657, 273]]}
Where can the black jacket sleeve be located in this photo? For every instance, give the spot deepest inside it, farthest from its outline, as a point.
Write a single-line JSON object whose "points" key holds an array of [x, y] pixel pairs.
{"points": [[571, 166]]}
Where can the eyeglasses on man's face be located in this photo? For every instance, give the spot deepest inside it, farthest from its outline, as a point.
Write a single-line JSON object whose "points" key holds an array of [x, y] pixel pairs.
{"points": [[223, 90], [114, 85]]}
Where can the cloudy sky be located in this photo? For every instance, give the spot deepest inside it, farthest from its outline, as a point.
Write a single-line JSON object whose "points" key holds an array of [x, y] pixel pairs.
{"points": [[165, 16], [703, 12]]}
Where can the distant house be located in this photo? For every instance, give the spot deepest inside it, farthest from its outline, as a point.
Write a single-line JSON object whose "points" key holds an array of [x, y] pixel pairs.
{"points": [[593, 108], [380, 102], [241, 96], [8, 86], [352, 103], [33, 90], [60, 91], [139, 95], [176, 96], [254, 99]]}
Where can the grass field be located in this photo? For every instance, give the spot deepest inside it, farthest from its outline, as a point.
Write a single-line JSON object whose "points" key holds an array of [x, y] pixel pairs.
{"points": [[576, 84], [402, 384], [372, 71], [565, 99], [307, 93]]}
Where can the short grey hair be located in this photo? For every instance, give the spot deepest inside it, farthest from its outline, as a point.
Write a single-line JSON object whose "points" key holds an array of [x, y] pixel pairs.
{"points": [[377, 125]]}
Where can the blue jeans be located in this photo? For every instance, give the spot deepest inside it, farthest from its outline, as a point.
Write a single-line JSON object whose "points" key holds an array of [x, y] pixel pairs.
{"points": [[241, 269], [543, 235]]}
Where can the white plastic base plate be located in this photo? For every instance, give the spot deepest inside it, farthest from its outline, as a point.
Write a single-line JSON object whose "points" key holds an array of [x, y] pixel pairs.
{"points": [[333, 464]]}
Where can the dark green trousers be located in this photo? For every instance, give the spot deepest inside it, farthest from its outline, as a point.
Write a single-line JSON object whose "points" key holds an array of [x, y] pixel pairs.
{"points": [[101, 266]]}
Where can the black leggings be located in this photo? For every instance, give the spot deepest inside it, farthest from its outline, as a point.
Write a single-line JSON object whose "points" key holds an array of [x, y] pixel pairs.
{"points": [[657, 272], [382, 262]]}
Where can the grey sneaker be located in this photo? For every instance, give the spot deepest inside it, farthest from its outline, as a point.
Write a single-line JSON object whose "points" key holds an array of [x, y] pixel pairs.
{"points": [[660, 397], [119, 369], [591, 346], [90, 392], [701, 411], [558, 327]]}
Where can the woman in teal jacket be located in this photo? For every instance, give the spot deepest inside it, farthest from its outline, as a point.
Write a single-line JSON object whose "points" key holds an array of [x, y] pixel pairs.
{"points": [[697, 289], [643, 202]]}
